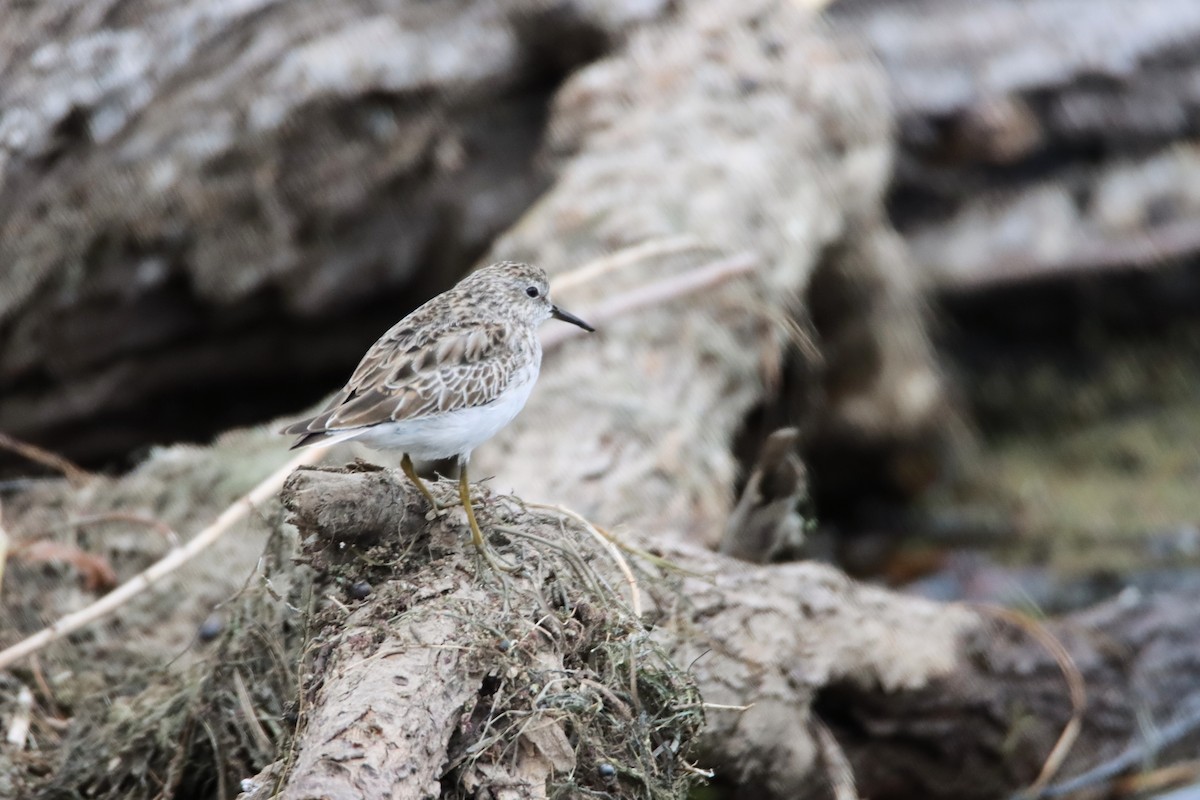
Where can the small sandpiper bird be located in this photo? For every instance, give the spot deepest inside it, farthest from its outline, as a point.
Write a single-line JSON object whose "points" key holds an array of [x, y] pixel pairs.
{"points": [[447, 377]]}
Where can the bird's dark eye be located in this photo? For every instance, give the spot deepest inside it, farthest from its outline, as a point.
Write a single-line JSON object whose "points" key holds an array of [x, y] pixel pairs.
{"points": [[532, 291]]}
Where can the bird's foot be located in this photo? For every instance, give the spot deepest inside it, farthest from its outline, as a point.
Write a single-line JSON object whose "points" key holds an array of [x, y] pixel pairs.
{"points": [[464, 496]]}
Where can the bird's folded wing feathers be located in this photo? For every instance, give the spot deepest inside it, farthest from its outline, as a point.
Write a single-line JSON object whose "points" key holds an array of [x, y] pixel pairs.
{"points": [[410, 374]]}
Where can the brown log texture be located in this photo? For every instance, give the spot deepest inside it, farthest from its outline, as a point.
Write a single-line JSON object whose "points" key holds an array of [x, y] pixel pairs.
{"points": [[185, 189], [638, 429], [924, 700], [1040, 139]]}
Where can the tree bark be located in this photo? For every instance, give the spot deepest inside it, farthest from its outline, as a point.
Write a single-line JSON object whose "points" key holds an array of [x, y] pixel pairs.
{"points": [[1042, 139], [208, 190], [639, 428], [924, 699], [446, 679]]}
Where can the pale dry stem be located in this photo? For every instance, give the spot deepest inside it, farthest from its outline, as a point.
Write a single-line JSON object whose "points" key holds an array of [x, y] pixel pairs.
{"points": [[172, 561], [77, 475], [3, 546], [837, 765], [607, 543], [1075, 688], [626, 256], [658, 292]]}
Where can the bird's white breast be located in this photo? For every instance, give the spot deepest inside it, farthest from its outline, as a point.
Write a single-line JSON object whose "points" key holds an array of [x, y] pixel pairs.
{"points": [[453, 433]]}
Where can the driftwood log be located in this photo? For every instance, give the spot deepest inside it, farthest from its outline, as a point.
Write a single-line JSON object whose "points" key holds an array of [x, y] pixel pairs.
{"points": [[431, 678], [1040, 139], [213, 191], [921, 699], [641, 428], [185, 190], [807, 676], [178, 181]]}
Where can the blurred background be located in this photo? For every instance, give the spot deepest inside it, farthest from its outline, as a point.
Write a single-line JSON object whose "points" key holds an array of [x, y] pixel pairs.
{"points": [[984, 219]]}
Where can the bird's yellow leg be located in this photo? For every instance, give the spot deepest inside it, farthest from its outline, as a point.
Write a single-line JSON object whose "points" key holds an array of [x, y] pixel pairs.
{"points": [[407, 465], [464, 494]]}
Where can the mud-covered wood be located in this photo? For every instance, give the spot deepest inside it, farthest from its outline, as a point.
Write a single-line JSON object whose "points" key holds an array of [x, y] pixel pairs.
{"points": [[924, 699], [987, 729], [734, 128], [431, 675]]}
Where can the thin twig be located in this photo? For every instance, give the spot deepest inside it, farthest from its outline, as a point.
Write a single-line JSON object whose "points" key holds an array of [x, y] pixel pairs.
{"points": [[1171, 776], [77, 475], [250, 713], [837, 766], [658, 292], [606, 543], [663, 246], [3, 546], [163, 529], [1186, 723], [1075, 688], [39, 678], [1138, 252], [170, 562], [18, 726]]}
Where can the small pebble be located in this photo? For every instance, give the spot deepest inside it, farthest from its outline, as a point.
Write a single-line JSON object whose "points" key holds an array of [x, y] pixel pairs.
{"points": [[359, 590], [211, 628]]}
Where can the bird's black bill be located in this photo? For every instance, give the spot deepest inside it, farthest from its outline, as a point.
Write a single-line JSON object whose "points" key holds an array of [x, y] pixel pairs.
{"points": [[567, 316]]}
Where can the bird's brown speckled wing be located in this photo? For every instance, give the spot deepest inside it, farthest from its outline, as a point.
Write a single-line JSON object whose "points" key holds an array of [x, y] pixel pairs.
{"points": [[415, 371]]}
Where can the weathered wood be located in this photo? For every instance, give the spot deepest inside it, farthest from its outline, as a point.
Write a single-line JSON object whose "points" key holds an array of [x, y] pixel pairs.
{"points": [[643, 423], [924, 699], [444, 678], [207, 207], [638, 428], [1040, 139]]}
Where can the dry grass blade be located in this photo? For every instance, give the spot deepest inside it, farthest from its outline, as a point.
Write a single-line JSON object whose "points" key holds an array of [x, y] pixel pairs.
{"points": [[43, 686], [250, 713], [163, 529], [1185, 773], [164, 566], [837, 766], [72, 472], [1186, 722], [657, 292], [654, 248], [1075, 687], [3, 546], [609, 547]]}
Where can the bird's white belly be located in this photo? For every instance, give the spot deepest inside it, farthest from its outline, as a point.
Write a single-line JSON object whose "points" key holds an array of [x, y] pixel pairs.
{"points": [[452, 433]]}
